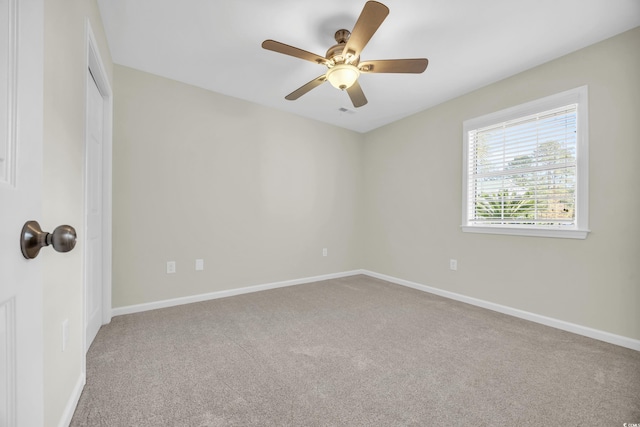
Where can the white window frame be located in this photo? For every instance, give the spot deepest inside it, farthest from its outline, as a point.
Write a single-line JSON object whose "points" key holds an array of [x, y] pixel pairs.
{"points": [[580, 230]]}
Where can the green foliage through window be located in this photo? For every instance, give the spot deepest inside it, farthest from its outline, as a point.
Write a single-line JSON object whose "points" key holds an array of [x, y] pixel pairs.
{"points": [[524, 171]]}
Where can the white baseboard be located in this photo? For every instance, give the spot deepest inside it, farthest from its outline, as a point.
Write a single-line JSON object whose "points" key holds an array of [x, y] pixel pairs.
{"points": [[137, 308], [67, 415], [537, 318], [548, 321]]}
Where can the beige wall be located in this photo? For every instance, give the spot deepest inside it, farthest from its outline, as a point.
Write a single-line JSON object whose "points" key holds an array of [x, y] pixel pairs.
{"points": [[254, 192], [64, 101], [412, 200], [258, 193]]}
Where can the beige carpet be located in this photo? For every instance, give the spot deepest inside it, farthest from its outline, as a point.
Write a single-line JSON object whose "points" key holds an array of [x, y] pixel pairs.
{"points": [[355, 351]]}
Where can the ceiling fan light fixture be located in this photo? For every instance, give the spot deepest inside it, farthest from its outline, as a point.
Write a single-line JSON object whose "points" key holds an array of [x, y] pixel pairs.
{"points": [[343, 76], [343, 59]]}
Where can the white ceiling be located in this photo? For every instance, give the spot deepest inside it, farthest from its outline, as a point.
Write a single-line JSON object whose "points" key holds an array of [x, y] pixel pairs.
{"points": [[215, 44]]}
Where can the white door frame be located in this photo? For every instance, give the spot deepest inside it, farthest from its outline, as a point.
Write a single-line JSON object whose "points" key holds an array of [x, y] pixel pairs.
{"points": [[95, 64]]}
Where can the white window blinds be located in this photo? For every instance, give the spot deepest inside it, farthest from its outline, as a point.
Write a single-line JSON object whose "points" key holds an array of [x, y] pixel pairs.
{"points": [[523, 171]]}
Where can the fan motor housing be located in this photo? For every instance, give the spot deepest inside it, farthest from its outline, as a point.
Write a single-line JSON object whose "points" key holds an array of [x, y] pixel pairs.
{"points": [[335, 52]]}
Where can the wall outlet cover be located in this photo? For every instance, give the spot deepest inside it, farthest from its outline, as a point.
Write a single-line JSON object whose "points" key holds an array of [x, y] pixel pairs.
{"points": [[171, 267]]}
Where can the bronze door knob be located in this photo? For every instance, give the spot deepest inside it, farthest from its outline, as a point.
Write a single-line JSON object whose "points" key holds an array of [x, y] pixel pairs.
{"points": [[32, 239]]}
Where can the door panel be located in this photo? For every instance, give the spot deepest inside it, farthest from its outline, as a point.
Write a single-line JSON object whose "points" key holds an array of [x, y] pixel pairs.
{"points": [[7, 360], [7, 75], [21, 106]]}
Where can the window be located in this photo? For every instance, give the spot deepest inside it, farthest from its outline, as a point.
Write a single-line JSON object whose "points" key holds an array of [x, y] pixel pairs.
{"points": [[525, 169]]}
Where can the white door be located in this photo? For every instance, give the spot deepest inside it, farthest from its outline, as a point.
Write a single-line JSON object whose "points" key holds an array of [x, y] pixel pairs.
{"points": [[21, 358], [94, 244]]}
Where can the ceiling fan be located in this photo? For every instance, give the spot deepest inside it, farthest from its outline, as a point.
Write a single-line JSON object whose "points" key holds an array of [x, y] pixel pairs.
{"points": [[343, 59]]}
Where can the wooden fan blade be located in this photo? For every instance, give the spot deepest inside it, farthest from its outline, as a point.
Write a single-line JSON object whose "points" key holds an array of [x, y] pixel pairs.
{"points": [[368, 23], [416, 66], [357, 95], [306, 88], [293, 51]]}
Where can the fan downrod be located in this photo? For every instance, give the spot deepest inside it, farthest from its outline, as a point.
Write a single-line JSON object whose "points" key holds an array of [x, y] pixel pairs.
{"points": [[342, 36]]}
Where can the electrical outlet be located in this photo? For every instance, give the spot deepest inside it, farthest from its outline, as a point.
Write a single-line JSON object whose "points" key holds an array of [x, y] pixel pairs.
{"points": [[324, 251], [199, 264], [171, 267], [65, 334], [453, 264]]}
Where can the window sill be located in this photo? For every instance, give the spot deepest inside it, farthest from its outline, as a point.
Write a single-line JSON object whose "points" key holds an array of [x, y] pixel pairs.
{"points": [[530, 232]]}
